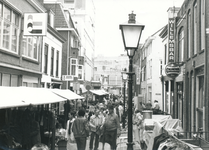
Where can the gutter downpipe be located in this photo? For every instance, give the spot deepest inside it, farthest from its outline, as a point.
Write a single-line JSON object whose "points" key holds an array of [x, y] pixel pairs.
{"points": [[205, 102]]}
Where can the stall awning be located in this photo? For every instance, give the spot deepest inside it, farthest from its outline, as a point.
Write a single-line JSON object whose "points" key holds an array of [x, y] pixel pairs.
{"points": [[83, 89], [68, 94], [99, 92], [25, 96]]}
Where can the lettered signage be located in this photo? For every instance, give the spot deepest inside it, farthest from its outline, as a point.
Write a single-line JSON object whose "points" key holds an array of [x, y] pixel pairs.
{"points": [[171, 40]]}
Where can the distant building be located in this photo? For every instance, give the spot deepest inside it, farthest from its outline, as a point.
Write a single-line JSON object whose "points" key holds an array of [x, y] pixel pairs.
{"points": [[107, 70]]}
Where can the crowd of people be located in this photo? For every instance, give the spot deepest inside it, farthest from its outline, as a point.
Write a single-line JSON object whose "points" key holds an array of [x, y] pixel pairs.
{"points": [[101, 123], [100, 126]]}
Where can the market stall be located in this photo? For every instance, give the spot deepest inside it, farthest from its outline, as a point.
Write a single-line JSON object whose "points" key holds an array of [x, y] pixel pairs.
{"points": [[98, 95], [160, 132], [27, 116]]}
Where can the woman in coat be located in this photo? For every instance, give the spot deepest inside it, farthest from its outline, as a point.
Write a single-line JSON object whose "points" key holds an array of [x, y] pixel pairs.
{"points": [[71, 143]]}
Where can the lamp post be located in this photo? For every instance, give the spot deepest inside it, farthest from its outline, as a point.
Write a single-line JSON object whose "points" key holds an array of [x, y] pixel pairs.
{"points": [[124, 78], [131, 33]]}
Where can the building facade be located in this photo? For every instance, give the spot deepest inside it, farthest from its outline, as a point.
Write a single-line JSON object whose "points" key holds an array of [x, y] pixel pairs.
{"points": [[187, 26], [191, 48], [20, 57]]}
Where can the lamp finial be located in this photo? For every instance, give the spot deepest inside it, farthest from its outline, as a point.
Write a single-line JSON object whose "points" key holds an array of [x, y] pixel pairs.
{"points": [[132, 17]]}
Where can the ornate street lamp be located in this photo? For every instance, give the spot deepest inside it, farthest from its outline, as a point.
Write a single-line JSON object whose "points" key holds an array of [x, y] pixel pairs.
{"points": [[124, 79], [131, 33]]}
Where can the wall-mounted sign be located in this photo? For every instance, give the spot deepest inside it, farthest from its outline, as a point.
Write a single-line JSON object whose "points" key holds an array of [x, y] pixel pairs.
{"points": [[67, 78], [172, 70], [35, 24], [171, 40]]}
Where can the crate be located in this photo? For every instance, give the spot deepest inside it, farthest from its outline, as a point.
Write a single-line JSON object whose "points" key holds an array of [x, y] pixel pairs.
{"points": [[62, 145]]}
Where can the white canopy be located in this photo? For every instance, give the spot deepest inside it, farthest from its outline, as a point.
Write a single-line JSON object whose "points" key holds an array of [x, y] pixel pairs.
{"points": [[99, 92], [68, 94], [25, 96]]}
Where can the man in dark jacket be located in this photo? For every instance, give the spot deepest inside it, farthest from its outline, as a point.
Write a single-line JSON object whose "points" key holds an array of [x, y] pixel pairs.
{"points": [[112, 128], [80, 130]]}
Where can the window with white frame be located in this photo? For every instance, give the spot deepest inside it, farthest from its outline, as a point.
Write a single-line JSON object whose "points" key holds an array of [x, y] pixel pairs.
{"points": [[9, 28], [57, 64], [150, 69], [52, 61], [195, 28], [181, 45], [46, 47], [30, 46], [202, 24], [189, 34], [80, 72], [73, 66]]}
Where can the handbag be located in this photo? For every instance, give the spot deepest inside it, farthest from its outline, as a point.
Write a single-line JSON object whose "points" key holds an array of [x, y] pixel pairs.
{"points": [[72, 138]]}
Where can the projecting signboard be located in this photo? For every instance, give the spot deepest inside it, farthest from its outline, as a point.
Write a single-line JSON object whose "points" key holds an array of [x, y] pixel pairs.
{"points": [[35, 24], [172, 70]]}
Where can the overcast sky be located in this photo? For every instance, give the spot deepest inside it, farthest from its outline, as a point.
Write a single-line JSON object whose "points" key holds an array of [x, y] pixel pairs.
{"points": [[110, 13]]}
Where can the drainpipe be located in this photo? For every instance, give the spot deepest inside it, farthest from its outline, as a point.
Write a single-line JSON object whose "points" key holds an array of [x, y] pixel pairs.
{"points": [[205, 102]]}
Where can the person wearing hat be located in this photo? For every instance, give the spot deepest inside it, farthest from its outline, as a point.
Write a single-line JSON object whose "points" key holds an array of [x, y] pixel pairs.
{"points": [[111, 128]]}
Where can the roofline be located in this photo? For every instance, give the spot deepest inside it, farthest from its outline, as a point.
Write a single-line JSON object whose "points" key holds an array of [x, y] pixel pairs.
{"points": [[37, 5]]}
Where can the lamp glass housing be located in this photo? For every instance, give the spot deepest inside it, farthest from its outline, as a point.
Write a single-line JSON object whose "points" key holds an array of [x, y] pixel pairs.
{"points": [[124, 75], [131, 35]]}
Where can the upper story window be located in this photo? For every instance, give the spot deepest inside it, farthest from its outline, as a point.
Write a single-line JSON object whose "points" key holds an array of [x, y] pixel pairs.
{"points": [[52, 61], [202, 24], [195, 27], [165, 55], [57, 63], [46, 48], [189, 30], [31, 46], [181, 45], [51, 18], [103, 68], [80, 72], [9, 29], [73, 67]]}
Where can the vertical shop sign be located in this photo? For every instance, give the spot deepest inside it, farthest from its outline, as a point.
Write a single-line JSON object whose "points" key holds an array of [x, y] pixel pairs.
{"points": [[171, 40]]}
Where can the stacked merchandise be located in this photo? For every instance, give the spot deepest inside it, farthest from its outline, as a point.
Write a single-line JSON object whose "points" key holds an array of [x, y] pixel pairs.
{"points": [[160, 134], [22, 128]]}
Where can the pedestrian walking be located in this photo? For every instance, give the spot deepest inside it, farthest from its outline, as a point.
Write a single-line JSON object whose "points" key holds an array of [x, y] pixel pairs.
{"points": [[71, 143], [95, 123], [111, 128], [139, 122], [80, 130]]}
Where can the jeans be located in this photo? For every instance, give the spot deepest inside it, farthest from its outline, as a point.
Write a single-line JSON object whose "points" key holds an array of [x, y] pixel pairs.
{"points": [[81, 143], [96, 143]]}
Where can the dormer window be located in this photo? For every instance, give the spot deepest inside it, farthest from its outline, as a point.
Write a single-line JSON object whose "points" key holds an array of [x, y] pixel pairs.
{"points": [[51, 18]]}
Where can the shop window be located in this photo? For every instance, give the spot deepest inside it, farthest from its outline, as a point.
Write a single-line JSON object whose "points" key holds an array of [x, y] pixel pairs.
{"points": [[200, 102], [9, 29], [30, 46], [6, 80], [14, 80]]}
